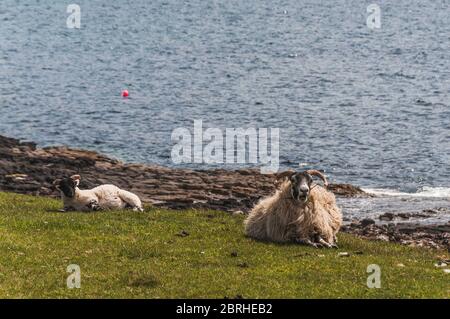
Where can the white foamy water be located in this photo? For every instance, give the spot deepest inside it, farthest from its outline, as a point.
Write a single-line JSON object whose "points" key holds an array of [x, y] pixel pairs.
{"points": [[396, 201], [425, 192]]}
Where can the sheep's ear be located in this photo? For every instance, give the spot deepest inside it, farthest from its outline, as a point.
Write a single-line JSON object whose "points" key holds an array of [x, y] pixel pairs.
{"points": [[76, 179]]}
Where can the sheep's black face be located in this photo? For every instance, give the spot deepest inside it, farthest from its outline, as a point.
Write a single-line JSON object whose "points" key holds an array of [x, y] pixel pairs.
{"points": [[301, 185], [67, 187]]}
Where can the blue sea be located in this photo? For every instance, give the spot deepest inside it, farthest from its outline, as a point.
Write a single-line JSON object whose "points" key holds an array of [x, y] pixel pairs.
{"points": [[371, 107]]}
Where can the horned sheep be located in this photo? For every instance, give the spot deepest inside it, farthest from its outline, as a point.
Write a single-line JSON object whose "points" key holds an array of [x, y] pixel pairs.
{"points": [[299, 211]]}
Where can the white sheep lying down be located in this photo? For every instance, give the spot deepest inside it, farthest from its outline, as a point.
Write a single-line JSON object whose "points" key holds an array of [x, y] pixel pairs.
{"points": [[103, 197], [299, 211]]}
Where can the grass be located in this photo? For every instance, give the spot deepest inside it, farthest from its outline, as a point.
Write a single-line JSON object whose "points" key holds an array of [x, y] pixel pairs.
{"points": [[142, 255]]}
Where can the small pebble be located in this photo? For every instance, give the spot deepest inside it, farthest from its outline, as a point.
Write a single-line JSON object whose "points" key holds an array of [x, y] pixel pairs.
{"points": [[447, 271], [386, 217], [400, 265], [440, 264], [183, 233], [367, 222], [344, 254]]}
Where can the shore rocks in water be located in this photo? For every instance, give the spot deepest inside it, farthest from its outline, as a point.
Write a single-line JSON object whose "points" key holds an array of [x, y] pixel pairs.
{"points": [[434, 236], [347, 190], [29, 170], [426, 213], [367, 221], [386, 216]]}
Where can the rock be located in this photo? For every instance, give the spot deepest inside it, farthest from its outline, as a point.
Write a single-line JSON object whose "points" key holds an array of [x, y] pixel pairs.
{"points": [[440, 264], [386, 216], [447, 271], [382, 237], [347, 190], [183, 233], [19, 177], [400, 265], [238, 213], [344, 254], [366, 222], [432, 236]]}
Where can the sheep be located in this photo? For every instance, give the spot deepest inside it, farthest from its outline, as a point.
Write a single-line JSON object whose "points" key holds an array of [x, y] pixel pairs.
{"points": [[299, 211], [103, 197]]}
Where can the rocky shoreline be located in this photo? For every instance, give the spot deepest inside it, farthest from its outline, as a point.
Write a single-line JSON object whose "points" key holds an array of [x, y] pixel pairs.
{"points": [[27, 169], [433, 236]]}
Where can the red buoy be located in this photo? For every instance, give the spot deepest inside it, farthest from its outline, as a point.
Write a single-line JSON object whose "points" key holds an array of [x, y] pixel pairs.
{"points": [[125, 93]]}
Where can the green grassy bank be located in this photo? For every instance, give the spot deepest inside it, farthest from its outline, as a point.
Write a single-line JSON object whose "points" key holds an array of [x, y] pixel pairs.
{"points": [[147, 255]]}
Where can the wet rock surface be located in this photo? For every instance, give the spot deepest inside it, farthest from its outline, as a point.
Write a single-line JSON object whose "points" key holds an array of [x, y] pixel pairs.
{"points": [[433, 236], [426, 213]]}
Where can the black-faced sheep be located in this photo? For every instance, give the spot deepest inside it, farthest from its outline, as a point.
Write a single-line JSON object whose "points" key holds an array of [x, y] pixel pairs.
{"points": [[103, 197], [299, 211]]}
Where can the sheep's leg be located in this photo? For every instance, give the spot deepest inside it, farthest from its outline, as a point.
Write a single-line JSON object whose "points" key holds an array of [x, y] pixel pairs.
{"points": [[307, 242], [93, 205], [335, 241], [131, 200], [323, 242]]}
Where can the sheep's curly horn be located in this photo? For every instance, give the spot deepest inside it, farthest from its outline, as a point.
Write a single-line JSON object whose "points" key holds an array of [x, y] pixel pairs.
{"points": [[284, 174], [314, 172]]}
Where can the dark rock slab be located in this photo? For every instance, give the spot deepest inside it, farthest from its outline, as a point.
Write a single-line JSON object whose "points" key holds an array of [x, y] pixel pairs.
{"points": [[432, 236]]}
